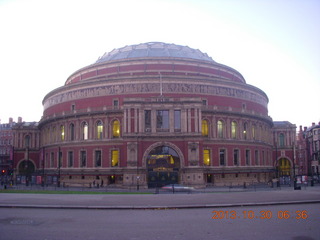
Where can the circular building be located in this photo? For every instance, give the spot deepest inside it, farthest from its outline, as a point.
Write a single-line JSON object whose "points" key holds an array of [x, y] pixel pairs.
{"points": [[152, 114]]}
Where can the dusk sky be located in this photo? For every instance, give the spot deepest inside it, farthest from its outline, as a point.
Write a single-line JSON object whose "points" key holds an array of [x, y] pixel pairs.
{"points": [[274, 44]]}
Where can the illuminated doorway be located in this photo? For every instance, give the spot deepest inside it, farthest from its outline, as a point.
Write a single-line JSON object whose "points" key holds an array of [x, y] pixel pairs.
{"points": [[284, 167], [163, 164]]}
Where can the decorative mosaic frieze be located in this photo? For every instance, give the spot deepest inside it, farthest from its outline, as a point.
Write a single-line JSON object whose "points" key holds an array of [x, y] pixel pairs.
{"points": [[134, 88]]}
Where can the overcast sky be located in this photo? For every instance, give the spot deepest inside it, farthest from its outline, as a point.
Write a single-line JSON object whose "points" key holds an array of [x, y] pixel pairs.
{"points": [[274, 44]]}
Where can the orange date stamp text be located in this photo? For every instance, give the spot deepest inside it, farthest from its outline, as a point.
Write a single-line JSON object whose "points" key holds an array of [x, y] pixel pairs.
{"points": [[263, 214]]}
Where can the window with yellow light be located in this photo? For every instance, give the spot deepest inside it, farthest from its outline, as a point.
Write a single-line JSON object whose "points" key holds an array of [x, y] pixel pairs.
{"points": [[206, 157], [205, 128], [62, 133], [116, 128], [114, 158]]}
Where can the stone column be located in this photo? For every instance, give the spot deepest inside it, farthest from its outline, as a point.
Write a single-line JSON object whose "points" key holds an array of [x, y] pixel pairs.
{"points": [[153, 121], [171, 120]]}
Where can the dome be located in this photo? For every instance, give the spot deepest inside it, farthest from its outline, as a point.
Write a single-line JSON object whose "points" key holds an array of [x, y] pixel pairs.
{"points": [[139, 60], [154, 49]]}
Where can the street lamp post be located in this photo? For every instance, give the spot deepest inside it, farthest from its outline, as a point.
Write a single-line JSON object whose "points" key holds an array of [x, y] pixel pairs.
{"points": [[277, 167], [12, 165], [294, 167], [43, 163], [59, 166], [138, 177], [27, 167]]}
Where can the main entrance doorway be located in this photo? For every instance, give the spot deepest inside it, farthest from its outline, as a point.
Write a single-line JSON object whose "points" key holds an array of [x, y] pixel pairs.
{"points": [[163, 164], [284, 167], [26, 170]]}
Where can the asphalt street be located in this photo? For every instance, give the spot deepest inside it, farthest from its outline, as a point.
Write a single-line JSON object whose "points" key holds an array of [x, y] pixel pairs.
{"points": [[155, 201], [278, 214], [282, 222]]}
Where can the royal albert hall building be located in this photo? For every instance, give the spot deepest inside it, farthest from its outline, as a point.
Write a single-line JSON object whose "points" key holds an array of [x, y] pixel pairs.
{"points": [[152, 114]]}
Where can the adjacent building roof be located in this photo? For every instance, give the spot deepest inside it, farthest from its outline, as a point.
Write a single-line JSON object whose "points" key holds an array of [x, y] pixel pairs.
{"points": [[283, 124]]}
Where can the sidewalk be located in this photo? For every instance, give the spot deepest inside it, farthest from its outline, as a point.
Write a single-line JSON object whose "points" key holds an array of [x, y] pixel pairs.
{"points": [[133, 189], [207, 199]]}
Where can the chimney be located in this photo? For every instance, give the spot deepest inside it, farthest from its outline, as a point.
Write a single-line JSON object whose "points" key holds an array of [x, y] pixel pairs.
{"points": [[300, 128], [313, 124], [19, 119], [10, 121], [305, 129]]}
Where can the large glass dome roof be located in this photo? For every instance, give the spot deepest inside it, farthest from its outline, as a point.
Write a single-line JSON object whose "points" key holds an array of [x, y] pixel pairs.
{"points": [[154, 49]]}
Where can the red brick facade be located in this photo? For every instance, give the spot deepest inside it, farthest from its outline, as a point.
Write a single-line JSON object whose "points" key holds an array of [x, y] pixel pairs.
{"points": [[152, 114]]}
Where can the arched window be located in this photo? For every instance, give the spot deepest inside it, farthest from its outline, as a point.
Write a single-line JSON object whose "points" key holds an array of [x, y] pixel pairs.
{"points": [[234, 129], [245, 129], [62, 133], [84, 130], [99, 130], [220, 127], [204, 128], [116, 128], [71, 128], [281, 140]]}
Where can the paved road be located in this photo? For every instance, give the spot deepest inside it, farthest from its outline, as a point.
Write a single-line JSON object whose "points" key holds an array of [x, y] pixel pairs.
{"points": [[159, 216], [173, 224], [137, 201]]}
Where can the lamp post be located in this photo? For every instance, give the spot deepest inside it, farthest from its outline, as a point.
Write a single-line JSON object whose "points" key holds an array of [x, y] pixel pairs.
{"points": [[59, 166], [27, 167], [294, 167], [277, 167], [12, 165], [43, 163], [138, 177], [318, 154], [276, 162]]}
